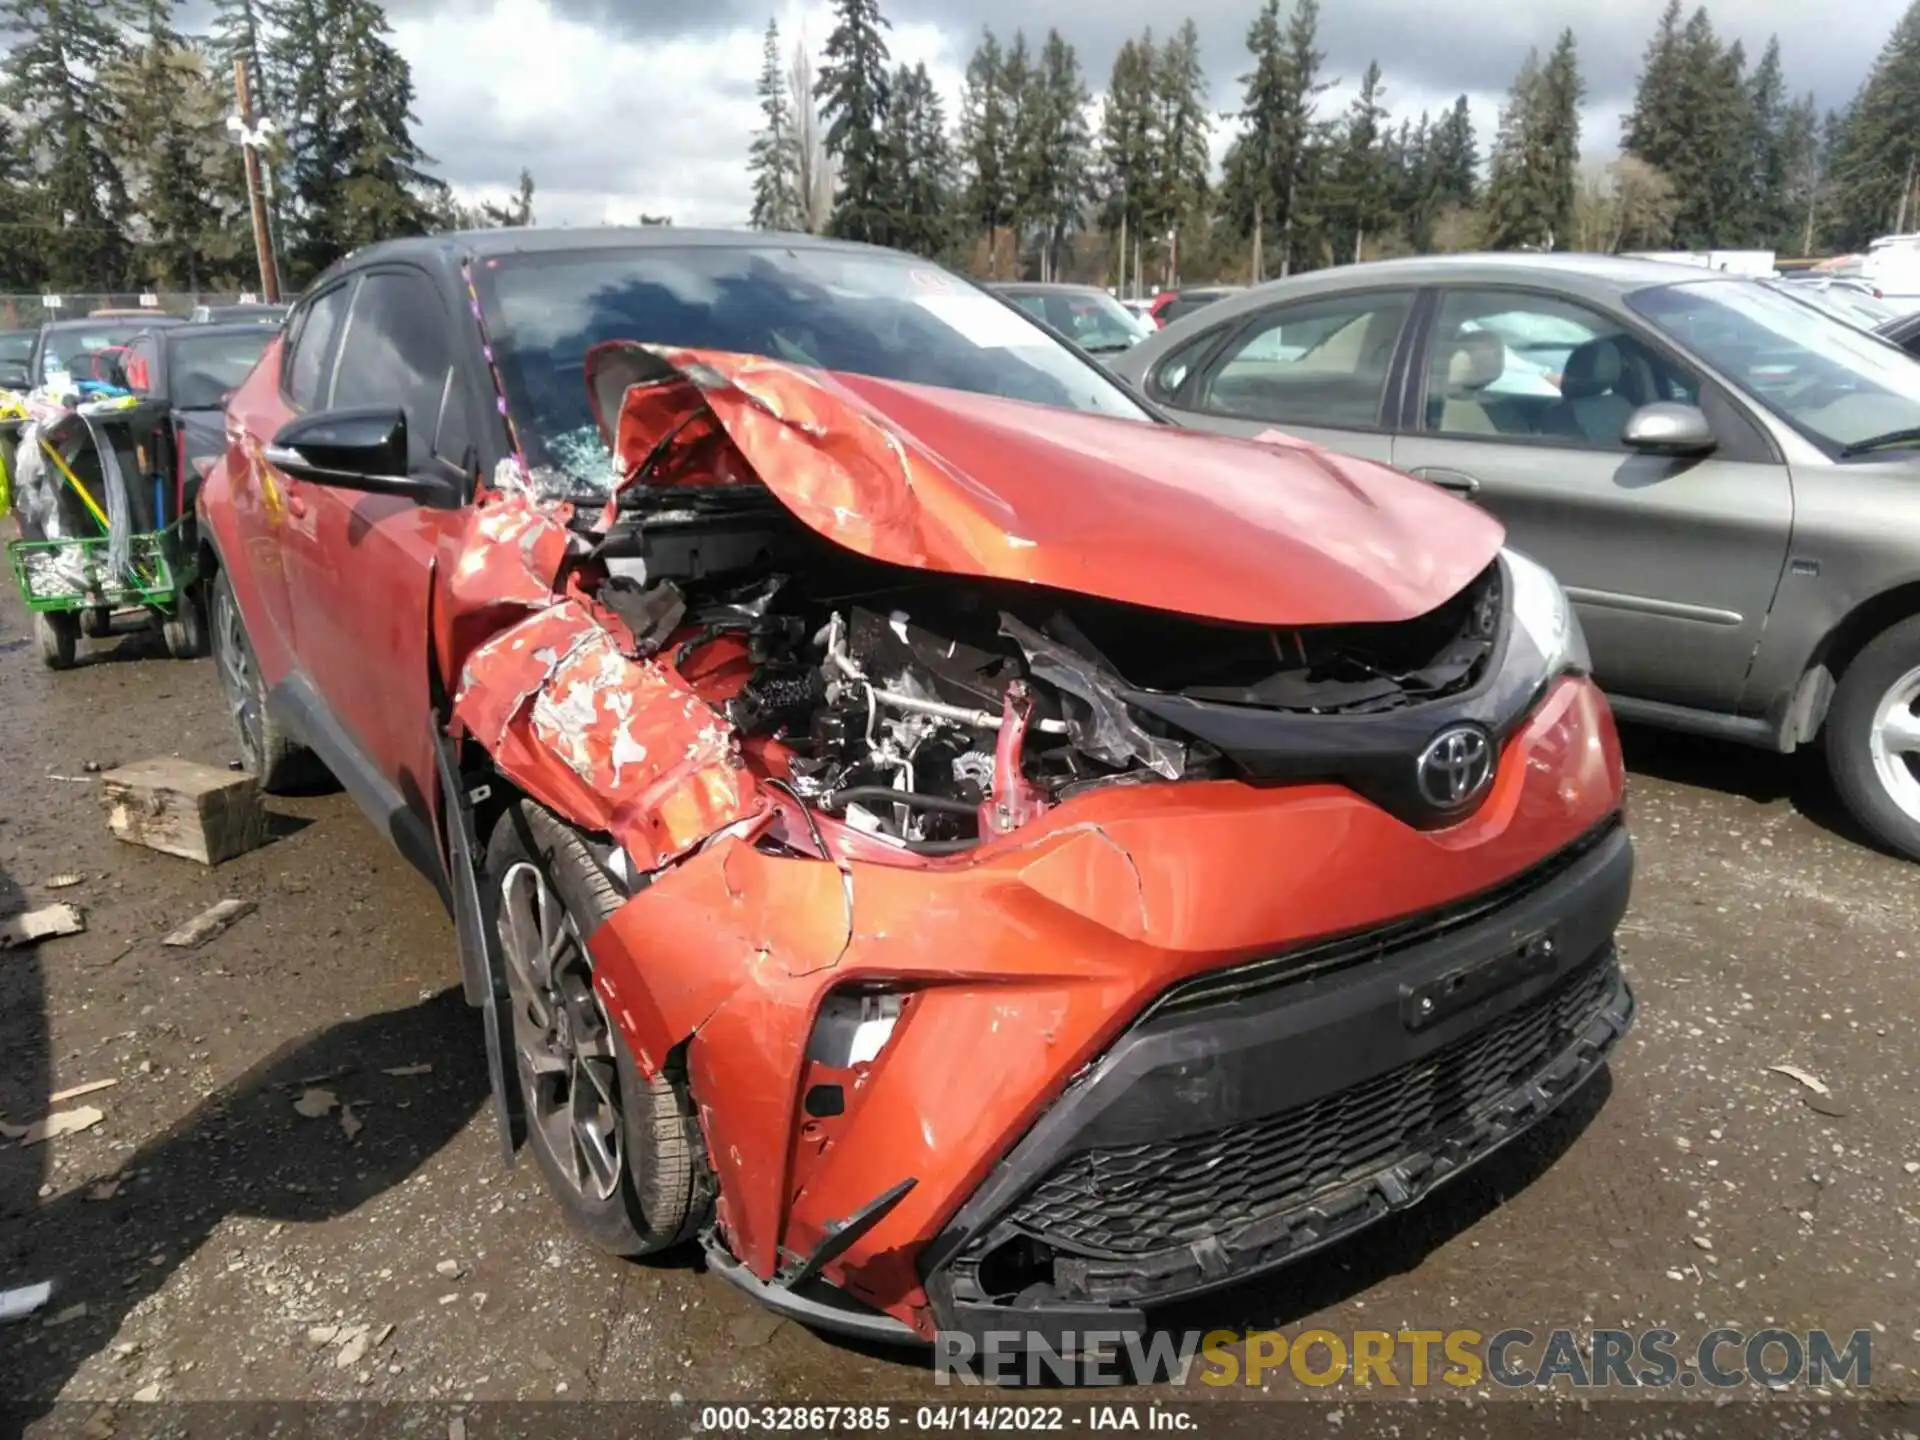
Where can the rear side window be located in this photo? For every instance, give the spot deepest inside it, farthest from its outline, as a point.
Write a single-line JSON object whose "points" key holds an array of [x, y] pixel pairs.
{"points": [[397, 352], [310, 370], [1315, 362]]}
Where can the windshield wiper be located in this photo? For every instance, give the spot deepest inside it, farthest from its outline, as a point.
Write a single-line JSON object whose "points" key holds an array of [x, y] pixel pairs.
{"points": [[1888, 441]]}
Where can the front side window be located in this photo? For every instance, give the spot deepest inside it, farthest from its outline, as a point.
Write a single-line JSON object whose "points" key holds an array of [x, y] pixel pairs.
{"points": [[1097, 323], [1317, 362], [309, 372], [1842, 389], [396, 351], [865, 314], [203, 369], [1539, 367]]}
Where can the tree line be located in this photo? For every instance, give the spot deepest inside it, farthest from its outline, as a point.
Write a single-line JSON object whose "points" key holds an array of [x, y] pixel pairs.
{"points": [[1034, 177], [118, 170]]}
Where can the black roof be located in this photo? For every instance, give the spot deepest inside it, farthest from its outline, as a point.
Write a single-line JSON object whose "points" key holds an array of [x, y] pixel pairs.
{"points": [[95, 322]]}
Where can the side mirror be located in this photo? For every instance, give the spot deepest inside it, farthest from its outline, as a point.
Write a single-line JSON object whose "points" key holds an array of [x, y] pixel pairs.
{"points": [[1668, 428], [357, 449]]}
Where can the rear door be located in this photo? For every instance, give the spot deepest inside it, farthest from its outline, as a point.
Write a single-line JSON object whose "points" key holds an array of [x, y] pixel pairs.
{"points": [[363, 564], [1672, 564], [1317, 368]]}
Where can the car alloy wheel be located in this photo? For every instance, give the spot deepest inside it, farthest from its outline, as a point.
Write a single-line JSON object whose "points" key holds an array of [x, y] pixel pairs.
{"points": [[562, 1037], [1894, 742], [237, 677]]}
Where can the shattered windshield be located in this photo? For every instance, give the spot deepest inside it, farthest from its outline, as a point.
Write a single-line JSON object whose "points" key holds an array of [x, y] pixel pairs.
{"points": [[874, 314]]}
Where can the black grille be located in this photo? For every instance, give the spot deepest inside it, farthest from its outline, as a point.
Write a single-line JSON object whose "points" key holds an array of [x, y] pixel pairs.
{"points": [[1379, 942], [1138, 1199]]}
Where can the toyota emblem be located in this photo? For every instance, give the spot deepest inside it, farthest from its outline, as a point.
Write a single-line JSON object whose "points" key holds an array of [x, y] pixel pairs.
{"points": [[1455, 768]]}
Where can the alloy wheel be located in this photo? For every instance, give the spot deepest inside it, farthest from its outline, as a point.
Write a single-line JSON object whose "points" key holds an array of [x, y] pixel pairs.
{"points": [[1895, 743], [562, 1038], [237, 674]]}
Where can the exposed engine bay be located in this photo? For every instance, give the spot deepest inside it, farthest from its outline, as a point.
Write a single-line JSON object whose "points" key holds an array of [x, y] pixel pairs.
{"points": [[932, 711]]}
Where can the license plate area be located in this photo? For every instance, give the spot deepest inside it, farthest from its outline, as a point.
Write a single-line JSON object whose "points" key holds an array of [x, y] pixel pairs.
{"points": [[1467, 985]]}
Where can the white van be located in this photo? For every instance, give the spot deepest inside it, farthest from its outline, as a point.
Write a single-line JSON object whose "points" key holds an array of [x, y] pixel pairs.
{"points": [[1892, 265]]}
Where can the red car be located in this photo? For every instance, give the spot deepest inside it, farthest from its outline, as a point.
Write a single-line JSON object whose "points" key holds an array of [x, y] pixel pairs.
{"points": [[1171, 305], [969, 854]]}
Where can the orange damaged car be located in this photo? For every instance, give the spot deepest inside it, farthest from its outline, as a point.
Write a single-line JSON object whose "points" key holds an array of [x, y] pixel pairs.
{"points": [[965, 853]]}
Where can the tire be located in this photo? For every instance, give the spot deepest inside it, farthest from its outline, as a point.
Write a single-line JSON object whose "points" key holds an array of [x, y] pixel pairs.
{"points": [[1872, 738], [96, 623], [185, 631], [57, 632], [277, 761], [651, 1192]]}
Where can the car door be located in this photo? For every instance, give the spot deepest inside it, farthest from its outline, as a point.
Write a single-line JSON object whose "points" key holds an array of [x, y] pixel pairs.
{"points": [[270, 509], [1316, 367], [1671, 563], [362, 568]]}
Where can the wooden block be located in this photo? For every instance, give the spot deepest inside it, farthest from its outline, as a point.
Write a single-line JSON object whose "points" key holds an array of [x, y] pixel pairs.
{"points": [[199, 811]]}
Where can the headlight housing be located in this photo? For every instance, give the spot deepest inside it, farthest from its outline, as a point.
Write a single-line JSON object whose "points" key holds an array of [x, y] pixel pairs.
{"points": [[1544, 621]]}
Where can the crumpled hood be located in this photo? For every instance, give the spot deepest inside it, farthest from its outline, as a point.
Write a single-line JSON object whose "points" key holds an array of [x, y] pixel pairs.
{"points": [[1240, 530]]}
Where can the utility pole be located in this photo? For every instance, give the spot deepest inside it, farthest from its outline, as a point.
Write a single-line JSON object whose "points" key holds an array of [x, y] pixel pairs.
{"points": [[250, 137]]}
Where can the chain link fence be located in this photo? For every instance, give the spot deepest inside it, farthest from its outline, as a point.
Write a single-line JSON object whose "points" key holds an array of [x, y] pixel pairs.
{"points": [[28, 312]]}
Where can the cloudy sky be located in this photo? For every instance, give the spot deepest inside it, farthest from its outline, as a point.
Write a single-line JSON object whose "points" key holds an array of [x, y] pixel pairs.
{"points": [[627, 106]]}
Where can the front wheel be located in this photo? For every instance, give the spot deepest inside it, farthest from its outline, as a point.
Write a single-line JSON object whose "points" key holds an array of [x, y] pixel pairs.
{"points": [[1873, 738], [619, 1152], [57, 632], [273, 756]]}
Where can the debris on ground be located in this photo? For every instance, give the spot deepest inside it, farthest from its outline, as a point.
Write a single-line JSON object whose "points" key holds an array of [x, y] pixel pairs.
{"points": [[47, 923], [350, 1124], [448, 1268], [74, 1092], [202, 812], [62, 1122], [1794, 1072], [353, 1350], [147, 1394], [64, 882], [69, 1315], [208, 923], [22, 1301], [103, 1190], [321, 1336], [405, 1070], [315, 1103]]}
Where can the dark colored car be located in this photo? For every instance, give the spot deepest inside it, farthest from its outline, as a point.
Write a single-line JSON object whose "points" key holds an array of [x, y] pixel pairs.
{"points": [[1904, 331], [969, 852], [1085, 314], [87, 350], [250, 314], [1171, 305], [190, 370], [16, 355], [1726, 479]]}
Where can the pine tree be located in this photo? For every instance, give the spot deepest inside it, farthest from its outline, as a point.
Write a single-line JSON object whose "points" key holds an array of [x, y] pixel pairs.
{"points": [[1562, 90], [353, 170], [1803, 177], [1772, 212], [853, 92], [1256, 179], [1361, 189], [183, 175], [1692, 121], [517, 213], [920, 159], [241, 30], [1454, 157], [1128, 147], [987, 143], [1658, 122], [1056, 153], [1520, 212], [22, 247], [70, 126], [1019, 93], [1875, 168], [776, 193], [1304, 147], [1184, 159]]}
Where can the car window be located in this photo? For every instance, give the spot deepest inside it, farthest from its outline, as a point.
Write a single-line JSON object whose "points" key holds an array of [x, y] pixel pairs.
{"points": [[1314, 362], [16, 345], [204, 368], [309, 372], [1842, 389], [1538, 367], [397, 351], [1166, 378], [87, 352], [862, 312], [140, 365]]}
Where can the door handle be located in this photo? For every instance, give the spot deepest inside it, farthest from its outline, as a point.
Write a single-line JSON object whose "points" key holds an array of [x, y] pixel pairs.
{"points": [[1458, 481]]}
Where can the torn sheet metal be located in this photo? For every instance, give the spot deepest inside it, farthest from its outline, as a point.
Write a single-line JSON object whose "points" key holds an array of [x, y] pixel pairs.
{"points": [[614, 744], [513, 554]]}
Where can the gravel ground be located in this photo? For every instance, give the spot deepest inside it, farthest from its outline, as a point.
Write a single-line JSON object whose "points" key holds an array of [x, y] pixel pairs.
{"points": [[208, 1242]]}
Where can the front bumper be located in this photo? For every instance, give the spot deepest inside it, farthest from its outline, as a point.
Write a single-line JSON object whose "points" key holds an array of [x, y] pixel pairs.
{"points": [[1254, 1115]]}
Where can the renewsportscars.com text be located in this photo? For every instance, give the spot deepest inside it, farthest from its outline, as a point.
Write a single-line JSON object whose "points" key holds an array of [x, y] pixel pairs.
{"points": [[1411, 1359]]}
